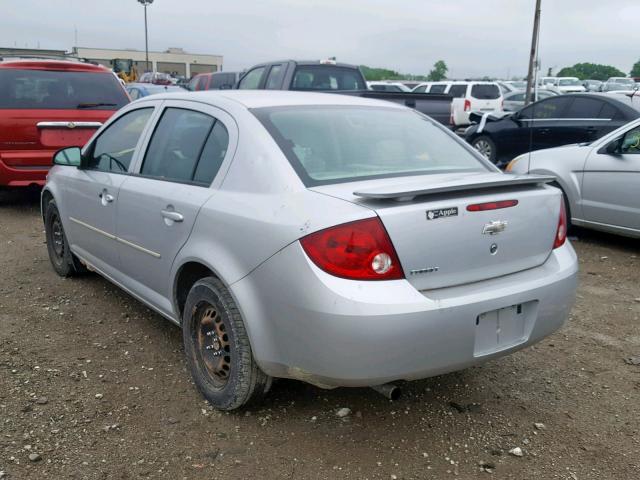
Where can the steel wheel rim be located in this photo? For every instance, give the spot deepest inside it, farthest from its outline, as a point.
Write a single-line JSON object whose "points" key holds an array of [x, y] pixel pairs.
{"points": [[57, 237], [483, 147], [212, 344]]}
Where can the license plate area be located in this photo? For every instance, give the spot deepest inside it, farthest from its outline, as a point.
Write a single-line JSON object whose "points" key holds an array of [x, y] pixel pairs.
{"points": [[504, 328]]}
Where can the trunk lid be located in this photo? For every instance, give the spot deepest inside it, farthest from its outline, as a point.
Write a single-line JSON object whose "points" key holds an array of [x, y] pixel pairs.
{"points": [[440, 243]]}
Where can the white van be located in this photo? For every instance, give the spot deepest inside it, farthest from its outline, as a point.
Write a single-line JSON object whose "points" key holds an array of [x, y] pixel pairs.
{"points": [[473, 97]]}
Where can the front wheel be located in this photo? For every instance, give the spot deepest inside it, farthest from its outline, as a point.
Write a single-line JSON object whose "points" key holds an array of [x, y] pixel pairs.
{"points": [[217, 348], [486, 147]]}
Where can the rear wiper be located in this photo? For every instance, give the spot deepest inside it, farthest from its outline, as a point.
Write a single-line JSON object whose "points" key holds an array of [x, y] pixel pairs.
{"points": [[90, 105]]}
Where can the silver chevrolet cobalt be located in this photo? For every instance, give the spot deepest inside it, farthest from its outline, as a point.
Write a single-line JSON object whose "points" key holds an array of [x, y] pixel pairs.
{"points": [[326, 238]]}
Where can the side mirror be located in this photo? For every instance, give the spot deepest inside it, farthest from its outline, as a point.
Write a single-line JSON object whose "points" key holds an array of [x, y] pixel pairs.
{"points": [[70, 156]]}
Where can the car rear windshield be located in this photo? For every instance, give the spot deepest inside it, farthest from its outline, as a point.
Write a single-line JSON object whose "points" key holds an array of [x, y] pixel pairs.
{"points": [[327, 77], [485, 91], [46, 89], [569, 82], [335, 144]]}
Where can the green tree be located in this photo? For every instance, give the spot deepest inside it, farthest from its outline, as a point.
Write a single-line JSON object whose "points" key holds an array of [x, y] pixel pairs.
{"points": [[591, 71], [635, 70], [373, 74], [439, 71]]}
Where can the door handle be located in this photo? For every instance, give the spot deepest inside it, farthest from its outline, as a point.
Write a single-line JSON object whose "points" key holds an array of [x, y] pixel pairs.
{"points": [[171, 215], [105, 197]]}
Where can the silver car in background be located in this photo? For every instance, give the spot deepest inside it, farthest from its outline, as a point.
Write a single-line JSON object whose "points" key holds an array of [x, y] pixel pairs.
{"points": [[600, 180], [336, 240]]}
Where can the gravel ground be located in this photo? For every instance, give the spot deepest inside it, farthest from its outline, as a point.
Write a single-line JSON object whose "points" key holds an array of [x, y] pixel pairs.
{"points": [[94, 385]]}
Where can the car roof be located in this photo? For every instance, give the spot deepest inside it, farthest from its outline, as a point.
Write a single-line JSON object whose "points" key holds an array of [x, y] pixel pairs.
{"points": [[325, 63], [277, 98], [58, 65]]}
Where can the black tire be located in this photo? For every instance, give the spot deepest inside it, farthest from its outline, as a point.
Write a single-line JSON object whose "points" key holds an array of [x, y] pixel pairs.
{"points": [[63, 261], [486, 147], [217, 348]]}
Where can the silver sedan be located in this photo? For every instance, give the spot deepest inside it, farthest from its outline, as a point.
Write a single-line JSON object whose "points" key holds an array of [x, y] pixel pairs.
{"points": [[327, 238], [600, 180]]}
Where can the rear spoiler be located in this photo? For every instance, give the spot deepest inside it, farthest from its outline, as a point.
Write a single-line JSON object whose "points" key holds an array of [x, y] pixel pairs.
{"points": [[410, 190]]}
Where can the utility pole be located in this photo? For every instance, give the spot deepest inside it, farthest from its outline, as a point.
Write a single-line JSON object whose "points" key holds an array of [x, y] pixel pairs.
{"points": [[532, 55], [145, 3]]}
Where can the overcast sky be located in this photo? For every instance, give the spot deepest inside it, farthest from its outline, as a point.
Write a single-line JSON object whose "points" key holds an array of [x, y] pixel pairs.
{"points": [[474, 37]]}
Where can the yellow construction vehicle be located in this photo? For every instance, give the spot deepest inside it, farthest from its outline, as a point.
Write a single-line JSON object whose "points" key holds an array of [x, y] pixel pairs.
{"points": [[125, 69]]}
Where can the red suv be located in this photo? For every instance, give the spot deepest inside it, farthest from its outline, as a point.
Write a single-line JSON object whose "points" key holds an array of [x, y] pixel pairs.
{"points": [[46, 105]]}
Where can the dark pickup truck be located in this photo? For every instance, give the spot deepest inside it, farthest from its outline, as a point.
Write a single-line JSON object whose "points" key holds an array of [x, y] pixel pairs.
{"points": [[330, 76]]}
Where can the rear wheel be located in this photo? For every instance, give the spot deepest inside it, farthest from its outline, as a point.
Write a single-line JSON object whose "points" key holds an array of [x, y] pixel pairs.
{"points": [[486, 146], [217, 348], [63, 261]]}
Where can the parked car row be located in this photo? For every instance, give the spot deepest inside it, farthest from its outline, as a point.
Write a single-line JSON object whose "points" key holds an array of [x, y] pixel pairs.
{"points": [[558, 120], [573, 84], [172, 200]]}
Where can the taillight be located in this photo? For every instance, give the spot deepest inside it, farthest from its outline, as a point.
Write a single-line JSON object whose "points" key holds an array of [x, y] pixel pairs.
{"points": [[561, 232], [467, 105], [360, 250]]}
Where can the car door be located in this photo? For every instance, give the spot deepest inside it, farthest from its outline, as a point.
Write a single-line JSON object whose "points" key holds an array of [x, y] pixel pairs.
{"points": [[548, 118], [158, 205], [91, 191], [611, 184]]}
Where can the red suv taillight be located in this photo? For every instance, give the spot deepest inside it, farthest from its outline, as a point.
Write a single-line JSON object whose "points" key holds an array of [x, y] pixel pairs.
{"points": [[467, 105], [561, 232], [360, 250]]}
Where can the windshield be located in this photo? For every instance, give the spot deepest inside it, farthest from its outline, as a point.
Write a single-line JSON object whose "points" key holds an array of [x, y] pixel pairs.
{"points": [[334, 144], [568, 82], [327, 77], [46, 89]]}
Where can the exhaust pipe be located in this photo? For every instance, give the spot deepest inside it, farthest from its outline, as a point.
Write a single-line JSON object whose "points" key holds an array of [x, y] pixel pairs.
{"points": [[389, 390]]}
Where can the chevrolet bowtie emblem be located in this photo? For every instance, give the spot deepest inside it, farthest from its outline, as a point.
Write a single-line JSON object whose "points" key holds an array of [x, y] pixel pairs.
{"points": [[495, 227]]}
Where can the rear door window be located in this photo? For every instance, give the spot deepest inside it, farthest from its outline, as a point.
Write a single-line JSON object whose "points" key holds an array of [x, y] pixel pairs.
{"points": [[60, 90], [176, 144], [421, 89], [458, 91], [251, 80], [551, 108], [275, 77], [485, 91], [186, 146], [327, 77], [438, 88], [114, 148], [609, 112], [213, 154], [584, 108]]}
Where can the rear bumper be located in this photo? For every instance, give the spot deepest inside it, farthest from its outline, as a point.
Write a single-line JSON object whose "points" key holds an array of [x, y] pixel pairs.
{"points": [[22, 176], [308, 325]]}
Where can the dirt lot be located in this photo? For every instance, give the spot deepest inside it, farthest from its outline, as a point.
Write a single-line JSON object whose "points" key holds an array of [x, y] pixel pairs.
{"points": [[93, 385]]}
